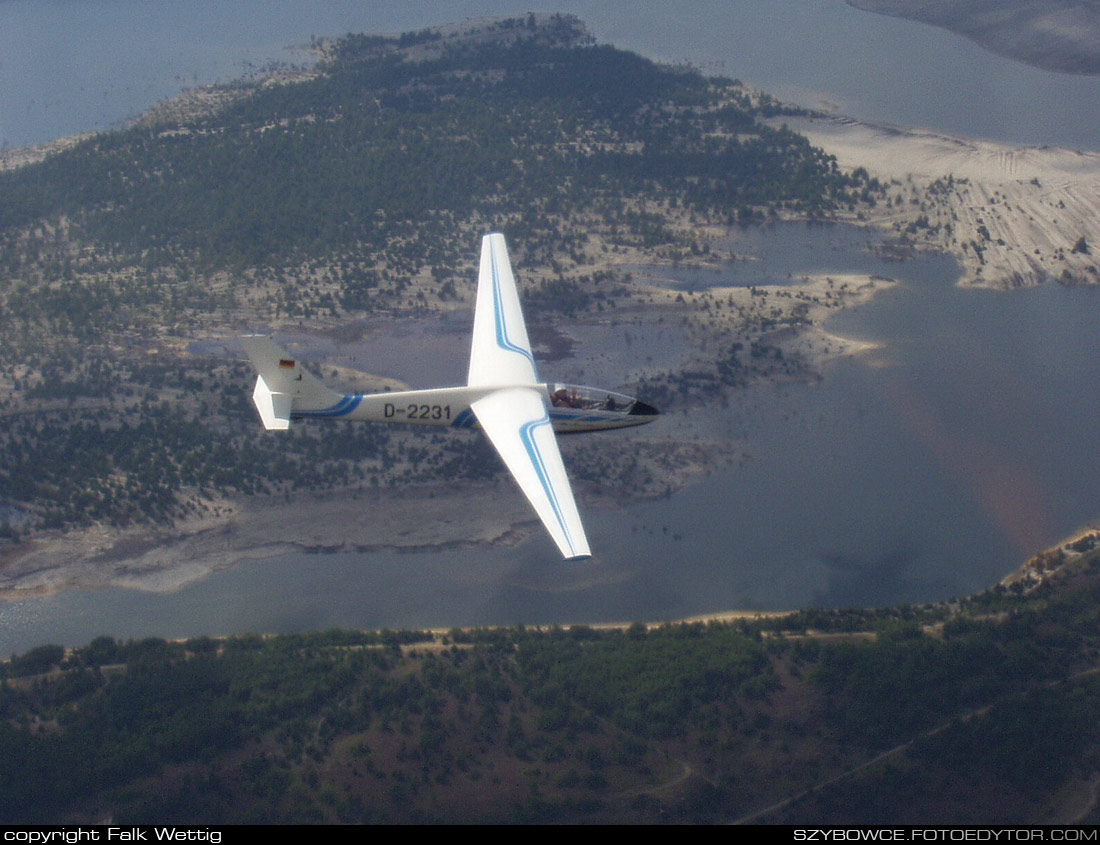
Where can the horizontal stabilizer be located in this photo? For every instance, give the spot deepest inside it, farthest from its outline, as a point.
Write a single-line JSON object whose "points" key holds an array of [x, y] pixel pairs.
{"points": [[274, 408]]}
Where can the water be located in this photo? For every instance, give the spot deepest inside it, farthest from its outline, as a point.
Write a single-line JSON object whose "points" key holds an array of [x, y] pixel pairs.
{"points": [[69, 67], [923, 470], [769, 255]]}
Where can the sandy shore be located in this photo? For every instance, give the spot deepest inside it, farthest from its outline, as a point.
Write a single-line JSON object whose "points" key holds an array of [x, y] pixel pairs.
{"points": [[414, 517], [259, 527], [1012, 216]]}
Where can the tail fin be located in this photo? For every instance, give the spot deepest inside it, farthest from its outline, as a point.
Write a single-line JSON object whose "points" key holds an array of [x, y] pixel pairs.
{"points": [[283, 387]]}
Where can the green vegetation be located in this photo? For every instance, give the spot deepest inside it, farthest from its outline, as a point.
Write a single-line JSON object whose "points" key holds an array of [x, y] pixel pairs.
{"points": [[992, 717], [359, 189]]}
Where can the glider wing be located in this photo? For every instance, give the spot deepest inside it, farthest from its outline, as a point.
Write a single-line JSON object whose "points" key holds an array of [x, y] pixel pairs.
{"points": [[501, 353], [517, 424]]}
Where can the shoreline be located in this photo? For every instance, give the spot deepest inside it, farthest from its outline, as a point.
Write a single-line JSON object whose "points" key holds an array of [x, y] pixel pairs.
{"points": [[423, 516], [1013, 216]]}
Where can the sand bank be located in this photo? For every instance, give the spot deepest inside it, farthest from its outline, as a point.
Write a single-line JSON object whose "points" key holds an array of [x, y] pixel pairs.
{"points": [[1012, 216], [415, 517], [163, 560]]}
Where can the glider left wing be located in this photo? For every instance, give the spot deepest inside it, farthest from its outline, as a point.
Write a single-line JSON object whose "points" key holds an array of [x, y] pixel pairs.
{"points": [[501, 353], [517, 425]]}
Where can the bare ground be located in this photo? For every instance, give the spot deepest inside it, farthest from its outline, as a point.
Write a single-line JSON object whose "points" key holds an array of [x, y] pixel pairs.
{"points": [[1011, 215]]}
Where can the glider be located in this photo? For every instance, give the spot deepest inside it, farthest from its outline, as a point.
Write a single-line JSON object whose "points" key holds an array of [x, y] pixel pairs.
{"points": [[502, 396]]}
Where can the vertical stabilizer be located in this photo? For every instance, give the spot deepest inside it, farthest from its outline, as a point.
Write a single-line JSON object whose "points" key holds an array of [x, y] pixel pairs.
{"points": [[283, 387]]}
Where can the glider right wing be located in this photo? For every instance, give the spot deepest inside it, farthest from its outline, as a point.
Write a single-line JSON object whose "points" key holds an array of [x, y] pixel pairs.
{"points": [[516, 422]]}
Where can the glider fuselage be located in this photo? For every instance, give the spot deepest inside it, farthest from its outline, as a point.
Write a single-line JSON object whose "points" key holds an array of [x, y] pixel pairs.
{"points": [[571, 408]]}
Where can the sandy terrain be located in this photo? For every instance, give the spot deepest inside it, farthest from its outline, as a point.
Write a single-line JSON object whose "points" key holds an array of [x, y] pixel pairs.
{"points": [[162, 561], [410, 518], [12, 158], [1011, 215]]}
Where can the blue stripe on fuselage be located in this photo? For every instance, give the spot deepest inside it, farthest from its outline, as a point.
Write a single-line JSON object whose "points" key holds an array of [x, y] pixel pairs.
{"points": [[465, 419], [342, 408]]}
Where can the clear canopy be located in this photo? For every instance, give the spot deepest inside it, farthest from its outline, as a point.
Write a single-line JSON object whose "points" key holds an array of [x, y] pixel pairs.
{"points": [[589, 398]]}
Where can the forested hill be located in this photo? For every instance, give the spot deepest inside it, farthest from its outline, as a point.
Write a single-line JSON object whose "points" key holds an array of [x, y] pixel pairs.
{"points": [[397, 147], [989, 708], [358, 187]]}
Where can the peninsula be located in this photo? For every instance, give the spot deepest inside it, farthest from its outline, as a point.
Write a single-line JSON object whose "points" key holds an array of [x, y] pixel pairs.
{"points": [[320, 203], [336, 203]]}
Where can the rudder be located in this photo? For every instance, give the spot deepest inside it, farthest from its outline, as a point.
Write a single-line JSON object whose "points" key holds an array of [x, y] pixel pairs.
{"points": [[283, 386]]}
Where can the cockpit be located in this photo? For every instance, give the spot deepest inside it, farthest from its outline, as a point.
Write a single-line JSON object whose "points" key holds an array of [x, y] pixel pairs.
{"points": [[592, 405]]}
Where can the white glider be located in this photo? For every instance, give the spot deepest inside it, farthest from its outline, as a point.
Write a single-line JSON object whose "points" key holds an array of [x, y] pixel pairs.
{"points": [[503, 396]]}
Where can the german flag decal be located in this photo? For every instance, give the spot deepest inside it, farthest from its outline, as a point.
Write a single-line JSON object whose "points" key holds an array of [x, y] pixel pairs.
{"points": [[286, 363]]}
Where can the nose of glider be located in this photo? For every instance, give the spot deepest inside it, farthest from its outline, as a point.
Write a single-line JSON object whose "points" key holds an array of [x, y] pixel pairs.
{"points": [[642, 409]]}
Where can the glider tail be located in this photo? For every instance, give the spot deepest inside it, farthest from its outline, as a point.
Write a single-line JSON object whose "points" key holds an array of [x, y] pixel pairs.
{"points": [[283, 387]]}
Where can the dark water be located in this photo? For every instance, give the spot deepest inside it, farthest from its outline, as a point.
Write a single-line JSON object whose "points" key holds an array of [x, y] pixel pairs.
{"points": [[923, 470], [779, 255]]}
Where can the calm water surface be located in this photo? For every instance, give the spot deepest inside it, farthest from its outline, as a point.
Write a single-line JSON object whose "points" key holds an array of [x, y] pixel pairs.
{"points": [[69, 67], [923, 470]]}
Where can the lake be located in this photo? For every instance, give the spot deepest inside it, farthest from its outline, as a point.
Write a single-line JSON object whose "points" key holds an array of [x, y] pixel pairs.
{"points": [[923, 470], [71, 67]]}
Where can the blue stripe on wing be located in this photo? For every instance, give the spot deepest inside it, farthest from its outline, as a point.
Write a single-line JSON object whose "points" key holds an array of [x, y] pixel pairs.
{"points": [[503, 341], [526, 434]]}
